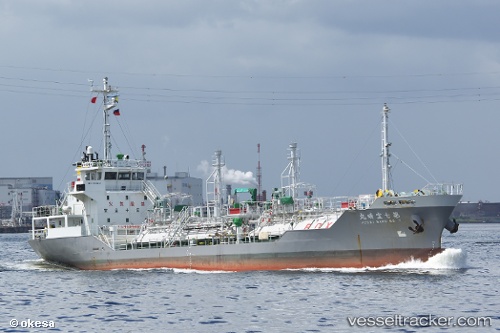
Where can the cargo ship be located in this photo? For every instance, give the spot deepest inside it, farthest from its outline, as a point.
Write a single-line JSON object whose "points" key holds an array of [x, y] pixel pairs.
{"points": [[112, 217]]}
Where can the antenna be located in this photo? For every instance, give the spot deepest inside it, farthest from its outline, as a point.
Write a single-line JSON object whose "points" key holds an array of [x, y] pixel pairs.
{"points": [[143, 149], [259, 175]]}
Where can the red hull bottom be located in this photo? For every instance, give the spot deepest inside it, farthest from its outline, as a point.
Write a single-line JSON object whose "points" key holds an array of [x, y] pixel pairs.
{"points": [[338, 259]]}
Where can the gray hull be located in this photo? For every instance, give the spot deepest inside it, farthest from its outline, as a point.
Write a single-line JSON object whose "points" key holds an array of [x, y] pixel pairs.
{"points": [[376, 236]]}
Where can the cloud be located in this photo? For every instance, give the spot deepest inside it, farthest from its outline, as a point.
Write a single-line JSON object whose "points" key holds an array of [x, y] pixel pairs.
{"points": [[230, 176]]}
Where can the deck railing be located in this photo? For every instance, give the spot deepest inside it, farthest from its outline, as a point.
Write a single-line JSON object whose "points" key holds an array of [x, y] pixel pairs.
{"points": [[443, 188]]}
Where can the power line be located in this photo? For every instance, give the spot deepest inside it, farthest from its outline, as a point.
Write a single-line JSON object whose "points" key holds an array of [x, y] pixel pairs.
{"points": [[262, 97]]}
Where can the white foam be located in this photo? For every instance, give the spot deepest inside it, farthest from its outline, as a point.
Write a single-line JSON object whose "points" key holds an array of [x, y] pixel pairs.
{"points": [[448, 259], [196, 271], [136, 269], [33, 265], [174, 270]]}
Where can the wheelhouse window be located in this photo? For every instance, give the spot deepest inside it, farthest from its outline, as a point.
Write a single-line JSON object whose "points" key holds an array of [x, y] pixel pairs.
{"points": [[110, 175], [137, 175], [124, 175], [93, 175]]}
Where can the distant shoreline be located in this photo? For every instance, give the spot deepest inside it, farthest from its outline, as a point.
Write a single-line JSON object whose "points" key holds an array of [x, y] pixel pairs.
{"points": [[14, 230], [478, 222]]}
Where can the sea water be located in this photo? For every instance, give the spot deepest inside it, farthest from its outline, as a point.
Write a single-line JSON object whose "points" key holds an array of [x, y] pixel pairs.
{"points": [[462, 282]]}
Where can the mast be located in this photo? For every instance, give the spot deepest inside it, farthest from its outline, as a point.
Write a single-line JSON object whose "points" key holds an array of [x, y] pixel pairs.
{"points": [[385, 150], [291, 172], [110, 99]]}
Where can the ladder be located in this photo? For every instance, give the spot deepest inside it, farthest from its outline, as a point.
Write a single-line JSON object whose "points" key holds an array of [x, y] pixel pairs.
{"points": [[177, 226], [151, 191]]}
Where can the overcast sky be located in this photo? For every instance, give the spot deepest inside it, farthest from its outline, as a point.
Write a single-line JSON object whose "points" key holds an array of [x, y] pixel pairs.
{"points": [[197, 76]]}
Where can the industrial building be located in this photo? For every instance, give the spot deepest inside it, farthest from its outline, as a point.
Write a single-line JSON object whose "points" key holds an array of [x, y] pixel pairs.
{"points": [[18, 195], [180, 188]]}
